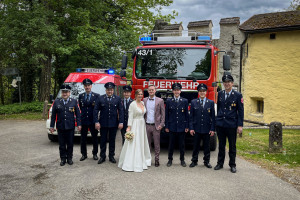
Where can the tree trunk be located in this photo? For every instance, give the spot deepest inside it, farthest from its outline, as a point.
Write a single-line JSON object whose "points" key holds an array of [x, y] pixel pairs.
{"points": [[1, 90], [45, 80]]}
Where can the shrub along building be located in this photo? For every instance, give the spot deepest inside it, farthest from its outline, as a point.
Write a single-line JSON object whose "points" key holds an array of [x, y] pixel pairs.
{"points": [[271, 67]]}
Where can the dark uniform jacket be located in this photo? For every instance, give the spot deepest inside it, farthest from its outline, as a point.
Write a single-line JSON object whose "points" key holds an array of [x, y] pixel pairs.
{"points": [[230, 111], [65, 114], [87, 108], [177, 116], [125, 124], [111, 112], [202, 120]]}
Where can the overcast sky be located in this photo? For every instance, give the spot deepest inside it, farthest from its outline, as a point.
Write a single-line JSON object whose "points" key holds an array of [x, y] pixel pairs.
{"points": [[198, 10]]}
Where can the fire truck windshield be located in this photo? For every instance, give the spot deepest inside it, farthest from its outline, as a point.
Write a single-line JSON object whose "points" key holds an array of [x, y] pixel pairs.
{"points": [[173, 63]]}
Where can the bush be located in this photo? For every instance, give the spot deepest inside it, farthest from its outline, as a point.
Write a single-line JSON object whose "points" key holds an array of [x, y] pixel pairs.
{"points": [[24, 107]]}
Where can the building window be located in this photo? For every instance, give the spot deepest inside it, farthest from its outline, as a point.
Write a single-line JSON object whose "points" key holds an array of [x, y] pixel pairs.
{"points": [[257, 105], [260, 106], [272, 36]]}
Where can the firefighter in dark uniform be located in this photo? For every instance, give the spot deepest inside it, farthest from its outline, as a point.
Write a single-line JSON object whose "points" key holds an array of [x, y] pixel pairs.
{"points": [[111, 118], [202, 125], [177, 122], [229, 121], [65, 109], [87, 102], [126, 101]]}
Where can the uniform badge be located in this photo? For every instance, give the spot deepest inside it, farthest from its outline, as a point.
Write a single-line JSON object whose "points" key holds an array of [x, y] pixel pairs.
{"points": [[182, 110], [242, 100], [234, 104], [208, 110], [71, 109], [93, 104]]}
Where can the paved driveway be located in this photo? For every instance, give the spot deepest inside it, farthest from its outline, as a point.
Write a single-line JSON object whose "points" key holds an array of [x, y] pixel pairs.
{"points": [[29, 169]]}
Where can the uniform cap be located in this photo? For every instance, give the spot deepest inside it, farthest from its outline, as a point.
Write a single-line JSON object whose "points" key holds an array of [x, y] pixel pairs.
{"points": [[127, 88], [202, 86], [109, 85], [227, 77], [87, 81], [65, 87], [176, 86]]}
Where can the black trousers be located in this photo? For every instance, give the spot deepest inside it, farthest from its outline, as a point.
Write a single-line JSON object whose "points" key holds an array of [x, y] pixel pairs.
{"points": [[231, 134], [206, 147], [65, 139], [123, 131], [173, 137], [111, 134], [94, 133]]}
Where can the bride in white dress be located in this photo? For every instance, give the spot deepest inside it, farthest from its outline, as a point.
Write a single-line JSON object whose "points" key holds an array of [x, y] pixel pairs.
{"points": [[135, 155]]}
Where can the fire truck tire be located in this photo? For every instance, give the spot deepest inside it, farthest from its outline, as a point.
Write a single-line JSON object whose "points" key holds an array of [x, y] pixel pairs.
{"points": [[52, 138], [213, 142]]}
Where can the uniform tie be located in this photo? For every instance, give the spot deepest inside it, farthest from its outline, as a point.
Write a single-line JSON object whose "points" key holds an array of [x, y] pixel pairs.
{"points": [[201, 103], [227, 94]]}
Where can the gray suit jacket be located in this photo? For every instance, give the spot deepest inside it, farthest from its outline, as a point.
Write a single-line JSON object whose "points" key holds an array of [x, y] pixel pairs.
{"points": [[159, 113]]}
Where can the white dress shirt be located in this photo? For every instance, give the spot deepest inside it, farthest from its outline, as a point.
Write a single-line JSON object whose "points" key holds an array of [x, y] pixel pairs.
{"points": [[150, 111]]}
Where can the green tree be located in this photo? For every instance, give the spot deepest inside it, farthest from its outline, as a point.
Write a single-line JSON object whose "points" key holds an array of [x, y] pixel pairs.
{"points": [[50, 38]]}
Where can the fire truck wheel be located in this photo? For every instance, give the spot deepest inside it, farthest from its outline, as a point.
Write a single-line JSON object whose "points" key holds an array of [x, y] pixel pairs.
{"points": [[52, 138], [213, 142]]}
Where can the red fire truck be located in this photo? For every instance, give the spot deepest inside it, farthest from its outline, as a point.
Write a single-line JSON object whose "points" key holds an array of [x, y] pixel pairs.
{"points": [[99, 78], [168, 57]]}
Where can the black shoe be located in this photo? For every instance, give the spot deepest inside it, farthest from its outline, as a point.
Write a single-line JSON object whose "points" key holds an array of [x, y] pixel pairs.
{"points": [[95, 157], [207, 165], [70, 162], [157, 163], [101, 160], [233, 169], [112, 160], [183, 163], [62, 162], [217, 167], [193, 164], [83, 158], [169, 164]]}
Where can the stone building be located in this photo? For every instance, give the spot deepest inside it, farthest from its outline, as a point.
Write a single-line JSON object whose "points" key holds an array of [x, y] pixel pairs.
{"points": [[230, 41], [202, 27], [271, 67], [171, 29]]}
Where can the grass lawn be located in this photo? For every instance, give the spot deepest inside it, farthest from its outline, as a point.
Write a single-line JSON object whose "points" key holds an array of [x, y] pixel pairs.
{"points": [[255, 143], [22, 116]]}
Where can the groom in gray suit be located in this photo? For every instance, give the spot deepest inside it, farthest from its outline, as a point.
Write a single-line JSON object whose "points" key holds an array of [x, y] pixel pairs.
{"points": [[155, 120]]}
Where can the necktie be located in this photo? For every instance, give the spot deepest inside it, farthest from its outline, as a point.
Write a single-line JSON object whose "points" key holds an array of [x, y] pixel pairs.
{"points": [[151, 99], [176, 100], [201, 103], [65, 102], [227, 94], [126, 104], [109, 98], [88, 97]]}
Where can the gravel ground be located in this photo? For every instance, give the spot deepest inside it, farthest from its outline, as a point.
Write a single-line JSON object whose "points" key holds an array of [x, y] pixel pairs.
{"points": [[29, 169]]}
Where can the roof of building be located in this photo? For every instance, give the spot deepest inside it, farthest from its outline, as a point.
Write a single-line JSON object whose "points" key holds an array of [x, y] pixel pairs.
{"points": [[231, 20], [272, 22], [199, 23], [172, 27]]}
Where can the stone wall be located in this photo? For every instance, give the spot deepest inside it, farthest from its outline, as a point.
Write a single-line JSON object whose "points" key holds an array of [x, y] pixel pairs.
{"points": [[230, 41]]}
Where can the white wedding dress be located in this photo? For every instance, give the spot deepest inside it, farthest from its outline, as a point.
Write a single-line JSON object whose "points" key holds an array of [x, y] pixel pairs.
{"points": [[135, 155]]}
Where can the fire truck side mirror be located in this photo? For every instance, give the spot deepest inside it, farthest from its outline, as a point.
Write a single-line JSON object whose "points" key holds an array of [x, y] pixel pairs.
{"points": [[214, 84], [226, 62], [124, 62], [123, 73]]}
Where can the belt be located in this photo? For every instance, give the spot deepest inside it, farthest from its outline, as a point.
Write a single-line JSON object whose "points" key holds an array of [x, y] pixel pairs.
{"points": [[150, 124]]}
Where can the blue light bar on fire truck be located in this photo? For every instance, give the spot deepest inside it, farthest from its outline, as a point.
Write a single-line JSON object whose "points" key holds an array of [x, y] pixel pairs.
{"points": [[95, 70], [169, 39]]}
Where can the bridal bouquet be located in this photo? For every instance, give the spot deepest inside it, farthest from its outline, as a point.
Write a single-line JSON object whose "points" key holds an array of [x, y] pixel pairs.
{"points": [[129, 135]]}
